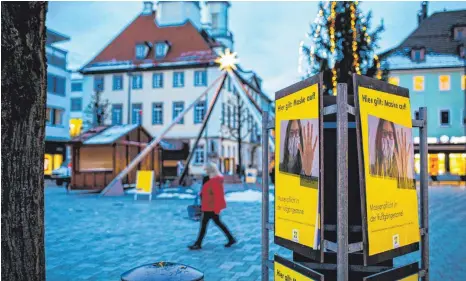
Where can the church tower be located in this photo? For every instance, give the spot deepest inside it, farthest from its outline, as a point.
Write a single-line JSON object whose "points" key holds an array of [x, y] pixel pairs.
{"points": [[217, 16]]}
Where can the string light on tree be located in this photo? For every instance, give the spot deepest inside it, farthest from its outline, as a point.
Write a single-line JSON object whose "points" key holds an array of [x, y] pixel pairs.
{"points": [[332, 46], [308, 53], [355, 37], [341, 45], [378, 74]]}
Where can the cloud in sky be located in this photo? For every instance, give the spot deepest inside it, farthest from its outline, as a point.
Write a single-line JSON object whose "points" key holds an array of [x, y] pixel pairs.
{"points": [[266, 34]]}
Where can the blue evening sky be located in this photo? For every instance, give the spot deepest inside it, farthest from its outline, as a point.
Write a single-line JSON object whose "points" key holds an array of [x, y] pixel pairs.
{"points": [[266, 34]]}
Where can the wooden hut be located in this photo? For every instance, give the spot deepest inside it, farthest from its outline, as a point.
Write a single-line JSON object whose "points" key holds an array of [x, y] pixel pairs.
{"points": [[99, 154]]}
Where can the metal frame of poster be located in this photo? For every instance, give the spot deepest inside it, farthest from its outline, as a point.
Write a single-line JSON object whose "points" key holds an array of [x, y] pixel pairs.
{"points": [[315, 254], [309, 274], [377, 85], [409, 272]]}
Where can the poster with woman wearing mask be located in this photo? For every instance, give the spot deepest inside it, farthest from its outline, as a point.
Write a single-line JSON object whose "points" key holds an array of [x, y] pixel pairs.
{"points": [[388, 190], [391, 151], [299, 154], [298, 180]]}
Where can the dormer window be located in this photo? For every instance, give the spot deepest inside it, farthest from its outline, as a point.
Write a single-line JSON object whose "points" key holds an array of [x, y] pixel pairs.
{"points": [[418, 55], [161, 49], [141, 51], [459, 33]]}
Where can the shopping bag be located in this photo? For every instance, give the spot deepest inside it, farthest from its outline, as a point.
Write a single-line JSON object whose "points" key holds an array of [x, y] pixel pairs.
{"points": [[194, 211]]}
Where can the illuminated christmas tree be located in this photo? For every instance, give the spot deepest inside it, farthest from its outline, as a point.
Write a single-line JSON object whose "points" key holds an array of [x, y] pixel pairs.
{"points": [[341, 44]]}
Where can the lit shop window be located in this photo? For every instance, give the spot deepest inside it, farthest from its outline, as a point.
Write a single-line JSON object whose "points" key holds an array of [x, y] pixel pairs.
{"points": [[458, 164], [417, 163], [463, 82], [441, 163], [418, 83], [444, 82], [436, 165], [52, 162], [394, 80]]}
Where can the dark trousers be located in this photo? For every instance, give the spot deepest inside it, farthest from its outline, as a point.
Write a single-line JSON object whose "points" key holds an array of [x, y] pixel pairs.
{"points": [[206, 217]]}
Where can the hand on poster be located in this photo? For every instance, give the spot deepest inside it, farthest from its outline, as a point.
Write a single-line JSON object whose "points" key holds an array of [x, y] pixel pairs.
{"points": [[307, 149], [402, 154]]}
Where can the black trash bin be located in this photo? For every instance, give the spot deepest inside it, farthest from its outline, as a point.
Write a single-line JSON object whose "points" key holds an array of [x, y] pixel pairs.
{"points": [[163, 271]]}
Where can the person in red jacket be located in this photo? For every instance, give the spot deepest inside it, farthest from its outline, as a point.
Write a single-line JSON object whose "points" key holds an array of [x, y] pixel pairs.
{"points": [[213, 202]]}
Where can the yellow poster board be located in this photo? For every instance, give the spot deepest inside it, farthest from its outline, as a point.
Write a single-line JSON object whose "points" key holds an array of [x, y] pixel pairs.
{"points": [[285, 270], [392, 221], [414, 277], [409, 272], [297, 170], [144, 183]]}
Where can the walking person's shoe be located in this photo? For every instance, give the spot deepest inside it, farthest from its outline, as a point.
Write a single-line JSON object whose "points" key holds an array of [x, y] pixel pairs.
{"points": [[194, 247], [230, 243]]}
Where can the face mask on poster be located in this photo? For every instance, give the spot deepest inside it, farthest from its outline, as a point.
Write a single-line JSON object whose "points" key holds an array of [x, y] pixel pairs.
{"points": [[388, 147], [293, 146]]}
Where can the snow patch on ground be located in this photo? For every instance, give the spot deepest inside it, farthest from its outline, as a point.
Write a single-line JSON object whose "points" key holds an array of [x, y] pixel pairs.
{"points": [[246, 196], [130, 191], [175, 196]]}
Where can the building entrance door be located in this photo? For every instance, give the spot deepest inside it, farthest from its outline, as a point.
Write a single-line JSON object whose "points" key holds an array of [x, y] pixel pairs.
{"points": [[226, 165]]}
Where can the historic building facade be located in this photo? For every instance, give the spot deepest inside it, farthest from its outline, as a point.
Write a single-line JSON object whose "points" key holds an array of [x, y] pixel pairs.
{"points": [[160, 63]]}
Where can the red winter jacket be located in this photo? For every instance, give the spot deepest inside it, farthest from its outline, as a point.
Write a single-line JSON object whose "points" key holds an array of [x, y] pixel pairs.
{"points": [[213, 195]]}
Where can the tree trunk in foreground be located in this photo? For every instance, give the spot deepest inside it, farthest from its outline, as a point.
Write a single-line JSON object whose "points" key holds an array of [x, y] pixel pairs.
{"points": [[23, 128]]}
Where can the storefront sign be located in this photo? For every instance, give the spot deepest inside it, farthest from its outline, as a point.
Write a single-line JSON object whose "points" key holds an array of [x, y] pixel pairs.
{"points": [[443, 139], [298, 170], [389, 196], [285, 270]]}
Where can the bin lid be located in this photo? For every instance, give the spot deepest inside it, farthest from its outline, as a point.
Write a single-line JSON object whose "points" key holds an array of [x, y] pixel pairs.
{"points": [[166, 271]]}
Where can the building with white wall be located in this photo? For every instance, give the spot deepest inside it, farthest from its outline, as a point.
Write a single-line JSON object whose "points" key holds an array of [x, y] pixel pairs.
{"points": [[160, 63], [78, 104], [58, 103]]}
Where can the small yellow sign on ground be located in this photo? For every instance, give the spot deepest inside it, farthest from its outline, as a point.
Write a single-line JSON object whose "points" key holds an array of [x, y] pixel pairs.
{"points": [[144, 183]]}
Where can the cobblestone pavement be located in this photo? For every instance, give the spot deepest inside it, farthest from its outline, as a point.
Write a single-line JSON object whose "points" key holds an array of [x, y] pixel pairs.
{"points": [[90, 238]]}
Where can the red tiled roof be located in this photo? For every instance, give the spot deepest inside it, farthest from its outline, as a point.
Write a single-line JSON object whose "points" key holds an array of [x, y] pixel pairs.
{"points": [[187, 44]]}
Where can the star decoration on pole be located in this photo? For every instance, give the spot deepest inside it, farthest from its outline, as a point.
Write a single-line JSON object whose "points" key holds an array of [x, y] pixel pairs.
{"points": [[227, 60]]}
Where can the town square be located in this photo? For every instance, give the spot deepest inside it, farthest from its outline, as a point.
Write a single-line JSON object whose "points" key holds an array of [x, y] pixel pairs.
{"points": [[233, 140]]}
